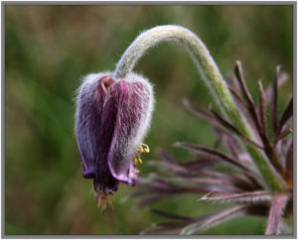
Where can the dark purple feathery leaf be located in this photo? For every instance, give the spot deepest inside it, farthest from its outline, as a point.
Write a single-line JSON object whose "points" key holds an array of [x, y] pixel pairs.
{"points": [[201, 188], [248, 172], [202, 162], [205, 180], [247, 197], [282, 135], [217, 143], [269, 150], [233, 129], [272, 156], [187, 169], [173, 225], [253, 113], [151, 199], [221, 155], [167, 186], [285, 142], [165, 227], [139, 192], [235, 180], [275, 214], [174, 167], [180, 185], [269, 91], [169, 226], [240, 78], [262, 108], [207, 184], [251, 106], [274, 99], [198, 111], [168, 161], [165, 156], [158, 194], [156, 183], [232, 82], [170, 215], [232, 146], [238, 97], [289, 165], [155, 191], [215, 121], [213, 220], [229, 142], [287, 114], [289, 161], [150, 195]]}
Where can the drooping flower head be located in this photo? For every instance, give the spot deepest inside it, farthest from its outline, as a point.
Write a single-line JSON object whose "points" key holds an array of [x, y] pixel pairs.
{"points": [[112, 118]]}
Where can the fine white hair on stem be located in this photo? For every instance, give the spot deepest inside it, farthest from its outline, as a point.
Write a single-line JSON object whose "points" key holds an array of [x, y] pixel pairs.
{"points": [[152, 37], [213, 79], [193, 45]]}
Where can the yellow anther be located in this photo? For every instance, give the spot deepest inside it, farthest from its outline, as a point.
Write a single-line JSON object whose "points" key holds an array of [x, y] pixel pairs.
{"points": [[98, 205], [138, 171], [143, 148], [137, 158]]}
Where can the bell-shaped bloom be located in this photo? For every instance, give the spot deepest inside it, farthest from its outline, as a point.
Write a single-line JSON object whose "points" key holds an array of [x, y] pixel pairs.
{"points": [[112, 118]]}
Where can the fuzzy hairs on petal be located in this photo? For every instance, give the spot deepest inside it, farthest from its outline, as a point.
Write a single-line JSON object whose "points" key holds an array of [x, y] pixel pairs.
{"points": [[135, 108]]}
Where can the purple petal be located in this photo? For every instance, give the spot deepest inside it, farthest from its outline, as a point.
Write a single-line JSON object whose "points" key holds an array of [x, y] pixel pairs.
{"points": [[135, 102], [88, 116], [112, 118]]}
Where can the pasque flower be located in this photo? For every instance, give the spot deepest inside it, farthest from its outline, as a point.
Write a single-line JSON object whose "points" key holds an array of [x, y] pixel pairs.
{"points": [[112, 118], [113, 115]]}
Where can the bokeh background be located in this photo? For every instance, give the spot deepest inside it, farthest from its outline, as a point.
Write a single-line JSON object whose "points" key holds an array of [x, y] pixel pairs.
{"points": [[47, 51]]}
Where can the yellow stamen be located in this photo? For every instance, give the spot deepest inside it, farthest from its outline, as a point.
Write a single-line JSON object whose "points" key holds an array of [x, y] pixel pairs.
{"points": [[137, 158], [143, 148]]}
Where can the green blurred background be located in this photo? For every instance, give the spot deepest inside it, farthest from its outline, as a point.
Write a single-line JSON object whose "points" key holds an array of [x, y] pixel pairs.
{"points": [[47, 51]]}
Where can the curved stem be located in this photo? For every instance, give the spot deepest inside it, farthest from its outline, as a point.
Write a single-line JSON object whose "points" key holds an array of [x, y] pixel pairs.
{"points": [[212, 77]]}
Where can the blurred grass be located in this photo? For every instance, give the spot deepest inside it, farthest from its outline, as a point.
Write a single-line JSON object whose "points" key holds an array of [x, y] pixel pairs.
{"points": [[47, 51]]}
